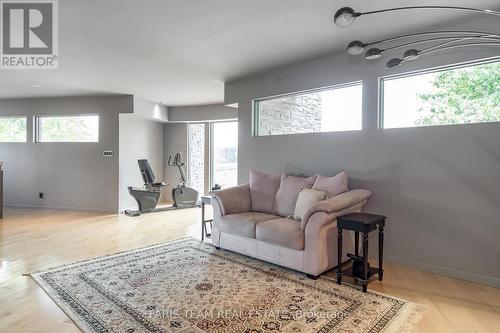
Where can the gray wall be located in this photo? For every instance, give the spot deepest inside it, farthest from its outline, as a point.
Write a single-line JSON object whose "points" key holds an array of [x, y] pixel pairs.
{"points": [[175, 141], [140, 138], [202, 113], [439, 186], [72, 175]]}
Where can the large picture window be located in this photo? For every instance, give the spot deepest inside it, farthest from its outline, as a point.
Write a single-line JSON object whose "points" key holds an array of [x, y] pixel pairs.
{"points": [[13, 129], [81, 128], [462, 95], [324, 110], [224, 150]]}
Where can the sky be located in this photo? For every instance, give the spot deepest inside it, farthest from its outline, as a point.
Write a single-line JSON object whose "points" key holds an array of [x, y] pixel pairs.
{"points": [[226, 134], [342, 109], [401, 100]]}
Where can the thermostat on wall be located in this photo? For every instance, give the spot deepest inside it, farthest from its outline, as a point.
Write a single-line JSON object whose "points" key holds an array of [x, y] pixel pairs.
{"points": [[107, 153]]}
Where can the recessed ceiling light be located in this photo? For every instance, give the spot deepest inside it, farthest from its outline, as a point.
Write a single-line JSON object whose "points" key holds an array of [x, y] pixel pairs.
{"points": [[35, 85]]}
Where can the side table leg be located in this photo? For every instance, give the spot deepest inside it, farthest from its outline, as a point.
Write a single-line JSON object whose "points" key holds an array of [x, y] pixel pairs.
{"points": [[380, 253], [365, 262], [356, 243], [339, 256], [202, 221]]}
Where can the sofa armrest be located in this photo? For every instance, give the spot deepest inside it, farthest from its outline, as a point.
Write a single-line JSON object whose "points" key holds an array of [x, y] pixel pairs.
{"points": [[338, 205], [234, 199]]}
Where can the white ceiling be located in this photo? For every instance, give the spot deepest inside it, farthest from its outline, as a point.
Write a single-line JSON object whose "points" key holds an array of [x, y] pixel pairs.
{"points": [[181, 52]]}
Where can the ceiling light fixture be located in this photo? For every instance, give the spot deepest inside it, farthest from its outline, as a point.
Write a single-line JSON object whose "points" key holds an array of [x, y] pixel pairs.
{"points": [[35, 85], [356, 47], [375, 52], [346, 16], [395, 62]]}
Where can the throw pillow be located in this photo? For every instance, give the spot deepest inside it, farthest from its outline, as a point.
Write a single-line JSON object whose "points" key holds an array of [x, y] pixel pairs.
{"points": [[332, 185], [307, 198], [263, 189], [288, 192]]}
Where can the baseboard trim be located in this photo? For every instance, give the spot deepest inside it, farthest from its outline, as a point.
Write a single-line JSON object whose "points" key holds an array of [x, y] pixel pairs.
{"points": [[449, 272], [65, 209]]}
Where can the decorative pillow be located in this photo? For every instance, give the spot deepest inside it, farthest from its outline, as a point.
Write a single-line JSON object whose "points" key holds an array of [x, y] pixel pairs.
{"points": [[307, 198], [263, 189], [288, 192], [332, 185]]}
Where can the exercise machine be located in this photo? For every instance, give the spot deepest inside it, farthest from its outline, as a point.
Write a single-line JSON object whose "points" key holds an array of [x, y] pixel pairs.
{"points": [[183, 196], [147, 197]]}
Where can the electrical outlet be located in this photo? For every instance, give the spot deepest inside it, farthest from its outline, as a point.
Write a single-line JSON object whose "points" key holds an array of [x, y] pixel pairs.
{"points": [[40, 195], [107, 153]]}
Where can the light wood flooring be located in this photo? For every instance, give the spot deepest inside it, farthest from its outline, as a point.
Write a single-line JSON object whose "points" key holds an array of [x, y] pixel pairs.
{"points": [[37, 239]]}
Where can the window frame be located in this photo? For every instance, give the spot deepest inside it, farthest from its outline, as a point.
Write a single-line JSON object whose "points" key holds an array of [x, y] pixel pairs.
{"points": [[26, 127], [211, 148], [255, 107], [37, 131], [443, 68]]}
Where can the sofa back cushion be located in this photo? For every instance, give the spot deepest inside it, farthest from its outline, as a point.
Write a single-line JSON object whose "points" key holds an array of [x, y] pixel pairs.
{"points": [[288, 192], [263, 189], [332, 185]]}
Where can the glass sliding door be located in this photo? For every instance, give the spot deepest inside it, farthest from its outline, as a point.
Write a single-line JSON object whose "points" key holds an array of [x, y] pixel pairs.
{"points": [[224, 154], [196, 157]]}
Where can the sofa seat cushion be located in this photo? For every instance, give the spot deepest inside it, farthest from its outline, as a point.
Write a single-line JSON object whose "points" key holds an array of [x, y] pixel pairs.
{"points": [[283, 232], [243, 224]]}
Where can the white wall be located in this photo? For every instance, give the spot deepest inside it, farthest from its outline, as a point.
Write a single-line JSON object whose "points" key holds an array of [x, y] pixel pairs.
{"points": [[71, 175], [150, 110], [140, 138], [439, 186]]}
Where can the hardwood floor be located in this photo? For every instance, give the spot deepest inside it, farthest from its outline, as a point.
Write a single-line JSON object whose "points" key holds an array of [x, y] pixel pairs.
{"points": [[37, 239]]}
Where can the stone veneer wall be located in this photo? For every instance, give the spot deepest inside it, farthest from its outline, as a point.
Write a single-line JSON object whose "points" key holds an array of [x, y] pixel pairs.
{"points": [[196, 151], [293, 114]]}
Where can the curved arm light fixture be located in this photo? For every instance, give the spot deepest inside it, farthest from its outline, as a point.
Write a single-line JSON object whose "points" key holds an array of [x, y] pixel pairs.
{"points": [[395, 62], [357, 47], [346, 16], [375, 52], [414, 54]]}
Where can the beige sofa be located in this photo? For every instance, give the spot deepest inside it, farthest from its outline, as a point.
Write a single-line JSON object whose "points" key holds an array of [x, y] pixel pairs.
{"points": [[309, 246]]}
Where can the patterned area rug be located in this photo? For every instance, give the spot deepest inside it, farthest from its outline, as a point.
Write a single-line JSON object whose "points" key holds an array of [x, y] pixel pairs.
{"points": [[188, 286]]}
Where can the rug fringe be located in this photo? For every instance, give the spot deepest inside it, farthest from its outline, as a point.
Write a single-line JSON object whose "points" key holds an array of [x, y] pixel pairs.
{"points": [[409, 317]]}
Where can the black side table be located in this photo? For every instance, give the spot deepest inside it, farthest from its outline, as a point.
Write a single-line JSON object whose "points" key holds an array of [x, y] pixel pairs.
{"points": [[364, 223], [205, 200]]}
